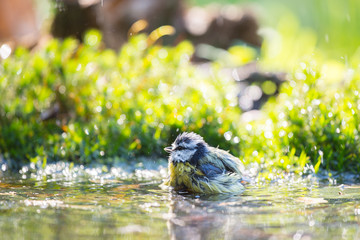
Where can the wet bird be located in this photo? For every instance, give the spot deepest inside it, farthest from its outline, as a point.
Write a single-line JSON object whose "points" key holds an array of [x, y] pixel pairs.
{"points": [[196, 167]]}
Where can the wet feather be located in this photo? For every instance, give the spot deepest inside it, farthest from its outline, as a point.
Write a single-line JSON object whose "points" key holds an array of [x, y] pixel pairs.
{"points": [[196, 167]]}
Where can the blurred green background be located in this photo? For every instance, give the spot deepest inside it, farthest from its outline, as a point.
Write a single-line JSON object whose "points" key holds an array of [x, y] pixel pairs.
{"points": [[115, 106], [335, 23]]}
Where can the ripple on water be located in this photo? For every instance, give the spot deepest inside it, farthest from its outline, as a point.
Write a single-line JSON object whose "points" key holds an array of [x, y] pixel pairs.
{"points": [[67, 201]]}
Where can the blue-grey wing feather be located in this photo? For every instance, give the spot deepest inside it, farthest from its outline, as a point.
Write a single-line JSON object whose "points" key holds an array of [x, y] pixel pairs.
{"points": [[210, 170]]}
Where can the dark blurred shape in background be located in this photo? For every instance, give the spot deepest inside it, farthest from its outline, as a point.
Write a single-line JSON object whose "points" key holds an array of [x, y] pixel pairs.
{"points": [[219, 27], [255, 86], [74, 17], [222, 26], [115, 17]]}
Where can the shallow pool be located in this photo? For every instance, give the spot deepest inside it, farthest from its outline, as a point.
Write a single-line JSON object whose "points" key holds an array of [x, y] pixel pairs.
{"points": [[80, 203]]}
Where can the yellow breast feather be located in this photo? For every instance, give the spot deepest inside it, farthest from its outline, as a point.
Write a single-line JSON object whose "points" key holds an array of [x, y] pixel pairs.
{"points": [[184, 176]]}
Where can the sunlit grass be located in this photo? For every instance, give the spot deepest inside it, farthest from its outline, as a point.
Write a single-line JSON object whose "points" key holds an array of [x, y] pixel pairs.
{"points": [[109, 106], [84, 103]]}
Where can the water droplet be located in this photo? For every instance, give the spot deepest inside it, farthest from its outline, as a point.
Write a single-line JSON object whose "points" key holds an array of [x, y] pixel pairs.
{"points": [[218, 109], [305, 88], [108, 105], [357, 211], [245, 103], [268, 134], [5, 51], [254, 92], [98, 109], [120, 121], [163, 53], [162, 87], [129, 94], [248, 127], [343, 123], [228, 135], [62, 89], [303, 65], [316, 102], [3, 167], [282, 133], [151, 91], [300, 76], [90, 68], [149, 111]]}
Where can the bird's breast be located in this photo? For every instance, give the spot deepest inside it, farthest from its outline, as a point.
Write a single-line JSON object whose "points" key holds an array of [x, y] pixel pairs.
{"points": [[181, 174]]}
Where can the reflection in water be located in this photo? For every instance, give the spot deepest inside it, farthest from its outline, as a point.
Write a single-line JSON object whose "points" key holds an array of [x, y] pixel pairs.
{"points": [[91, 208], [270, 212], [212, 217]]}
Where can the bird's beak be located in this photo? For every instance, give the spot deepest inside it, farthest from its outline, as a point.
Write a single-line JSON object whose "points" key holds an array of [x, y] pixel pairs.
{"points": [[168, 149]]}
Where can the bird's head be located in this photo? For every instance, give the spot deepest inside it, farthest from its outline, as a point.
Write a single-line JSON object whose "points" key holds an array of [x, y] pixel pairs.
{"points": [[187, 147]]}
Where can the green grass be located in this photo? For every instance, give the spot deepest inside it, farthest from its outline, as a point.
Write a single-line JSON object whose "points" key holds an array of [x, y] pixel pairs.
{"points": [[120, 106], [113, 106], [313, 120]]}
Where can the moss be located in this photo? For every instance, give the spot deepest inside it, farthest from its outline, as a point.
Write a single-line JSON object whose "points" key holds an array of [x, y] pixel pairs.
{"points": [[314, 120], [82, 103]]}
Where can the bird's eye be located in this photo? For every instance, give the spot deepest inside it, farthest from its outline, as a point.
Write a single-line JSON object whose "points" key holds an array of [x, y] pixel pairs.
{"points": [[179, 148]]}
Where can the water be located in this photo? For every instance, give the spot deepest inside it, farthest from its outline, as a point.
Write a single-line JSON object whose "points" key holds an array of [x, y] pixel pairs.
{"points": [[80, 203]]}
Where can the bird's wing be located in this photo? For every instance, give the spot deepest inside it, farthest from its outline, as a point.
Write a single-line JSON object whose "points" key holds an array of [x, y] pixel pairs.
{"points": [[210, 170], [228, 161]]}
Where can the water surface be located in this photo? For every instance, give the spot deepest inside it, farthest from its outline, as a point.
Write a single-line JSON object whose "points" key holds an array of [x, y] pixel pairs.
{"points": [[92, 204]]}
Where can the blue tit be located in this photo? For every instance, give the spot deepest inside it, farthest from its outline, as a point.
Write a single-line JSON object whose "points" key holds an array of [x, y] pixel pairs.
{"points": [[196, 167]]}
